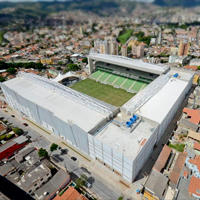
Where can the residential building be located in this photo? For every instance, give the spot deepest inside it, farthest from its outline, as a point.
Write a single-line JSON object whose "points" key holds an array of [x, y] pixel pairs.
{"points": [[8, 149], [155, 186], [34, 178], [70, 194], [124, 50], [57, 182], [183, 49]]}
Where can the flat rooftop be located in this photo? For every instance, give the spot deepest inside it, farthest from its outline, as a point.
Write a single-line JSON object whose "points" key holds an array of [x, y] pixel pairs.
{"points": [[129, 63], [74, 107], [121, 140], [158, 107]]}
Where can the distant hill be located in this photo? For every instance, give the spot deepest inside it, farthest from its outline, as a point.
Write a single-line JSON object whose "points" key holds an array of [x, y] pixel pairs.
{"points": [[31, 13], [96, 6], [183, 3]]}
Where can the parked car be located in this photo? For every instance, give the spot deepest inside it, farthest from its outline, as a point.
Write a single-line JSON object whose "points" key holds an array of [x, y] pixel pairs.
{"points": [[63, 151], [25, 124], [13, 116], [85, 170], [55, 158], [73, 158], [88, 185]]}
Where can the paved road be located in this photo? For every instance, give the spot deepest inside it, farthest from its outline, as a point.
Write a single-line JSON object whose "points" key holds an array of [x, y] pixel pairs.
{"points": [[98, 187], [38, 140]]}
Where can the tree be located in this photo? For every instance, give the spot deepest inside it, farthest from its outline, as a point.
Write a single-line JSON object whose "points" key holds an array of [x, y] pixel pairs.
{"points": [[58, 68], [43, 153], [2, 79], [18, 131], [81, 181], [73, 67], [85, 60], [65, 70], [11, 70], [53, 147], [60, 63]]}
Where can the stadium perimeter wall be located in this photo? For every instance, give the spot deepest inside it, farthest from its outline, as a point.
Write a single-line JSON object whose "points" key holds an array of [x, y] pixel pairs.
{"points": [[127, 167], [45, 118]]}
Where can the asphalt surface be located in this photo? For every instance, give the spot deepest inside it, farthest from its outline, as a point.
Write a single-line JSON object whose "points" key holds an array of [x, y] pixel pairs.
{"points": [[98, 187], [38, 140]]}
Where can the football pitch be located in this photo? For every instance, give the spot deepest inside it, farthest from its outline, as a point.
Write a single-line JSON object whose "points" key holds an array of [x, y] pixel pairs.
{"points": [[106, 93]]}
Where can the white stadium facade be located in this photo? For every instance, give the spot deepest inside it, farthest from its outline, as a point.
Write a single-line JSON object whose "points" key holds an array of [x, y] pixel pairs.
{"points": [[121, 138]]}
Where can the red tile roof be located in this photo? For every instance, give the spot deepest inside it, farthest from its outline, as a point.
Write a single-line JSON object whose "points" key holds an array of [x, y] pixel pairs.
{"points": [[162, 159], [70, 194], [194, 186], [175, 173], [194, 114], [2, 128], [32, 71], [193, 67], [196, 161], [196, 146]]}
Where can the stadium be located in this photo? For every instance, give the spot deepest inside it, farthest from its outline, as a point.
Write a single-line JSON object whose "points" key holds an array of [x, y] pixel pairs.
{"points": [[121, 137]]}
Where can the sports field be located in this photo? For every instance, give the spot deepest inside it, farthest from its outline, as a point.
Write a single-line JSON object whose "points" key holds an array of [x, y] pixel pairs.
{"points": [[124, 36], [106, 93], [117, 81]]}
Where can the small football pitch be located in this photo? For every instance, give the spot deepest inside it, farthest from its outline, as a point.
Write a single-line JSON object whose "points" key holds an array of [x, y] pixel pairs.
{"points": [[107, 93]]}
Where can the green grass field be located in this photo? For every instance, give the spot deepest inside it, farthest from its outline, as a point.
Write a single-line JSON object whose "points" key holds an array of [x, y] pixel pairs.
{"points": [[178, 147], [106, 93], [1, 36], [125, 36]]}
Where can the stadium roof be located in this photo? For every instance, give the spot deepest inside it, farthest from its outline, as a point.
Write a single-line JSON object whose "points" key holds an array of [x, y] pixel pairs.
{"points": [[129, 63], [65, 103], [143, 96], [155, 87], [158, 107], [60, 77], [122, 140], [154, 110]]}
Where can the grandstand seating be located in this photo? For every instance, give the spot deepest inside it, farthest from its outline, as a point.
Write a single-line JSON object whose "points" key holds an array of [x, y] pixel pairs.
{"points": [[138, 86], [104, 76], [111, 79], [119, 81], [96, 74], [128, 84]]}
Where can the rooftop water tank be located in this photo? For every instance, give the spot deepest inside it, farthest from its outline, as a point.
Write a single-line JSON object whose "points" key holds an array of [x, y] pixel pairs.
{"points": [[132, 119], [128, 124], [175, 75]]}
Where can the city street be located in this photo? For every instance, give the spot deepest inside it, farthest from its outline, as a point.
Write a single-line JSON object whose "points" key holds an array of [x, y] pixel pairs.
{"points": [[38, 140], [98, 186]]}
